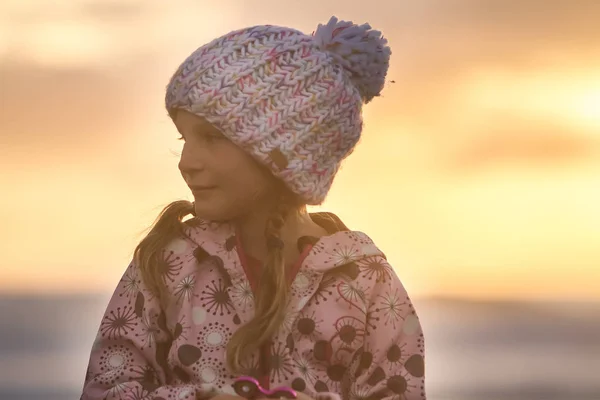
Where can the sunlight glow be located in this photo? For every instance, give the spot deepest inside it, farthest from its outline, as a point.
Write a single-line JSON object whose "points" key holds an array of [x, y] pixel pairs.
{"points": [[562, 96], [68, 43]]}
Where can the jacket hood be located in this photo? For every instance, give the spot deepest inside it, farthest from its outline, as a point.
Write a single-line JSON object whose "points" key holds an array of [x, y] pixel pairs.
{"points": [[341, 249]]}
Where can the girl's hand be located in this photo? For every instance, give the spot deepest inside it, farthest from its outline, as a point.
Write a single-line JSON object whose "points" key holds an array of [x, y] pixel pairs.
{"points": [[224, 396], [299, 396], [302, 396], [320, 396]]}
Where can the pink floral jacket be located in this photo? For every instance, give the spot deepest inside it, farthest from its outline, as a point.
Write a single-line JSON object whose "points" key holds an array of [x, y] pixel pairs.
{"points": [[351, 331]]}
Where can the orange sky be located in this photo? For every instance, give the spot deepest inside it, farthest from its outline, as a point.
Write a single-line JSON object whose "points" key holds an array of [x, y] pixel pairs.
{"points": [[478, 173]]}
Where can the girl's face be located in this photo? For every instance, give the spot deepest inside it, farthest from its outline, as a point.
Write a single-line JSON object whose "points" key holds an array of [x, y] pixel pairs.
{"points": [[226, 182]]}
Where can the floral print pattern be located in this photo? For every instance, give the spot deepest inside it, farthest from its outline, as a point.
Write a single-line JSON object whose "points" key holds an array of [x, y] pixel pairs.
{"points": [[351, 333]]}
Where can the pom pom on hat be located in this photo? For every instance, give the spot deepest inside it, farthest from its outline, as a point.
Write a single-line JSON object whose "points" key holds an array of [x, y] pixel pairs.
{"points": [[363, 52]]}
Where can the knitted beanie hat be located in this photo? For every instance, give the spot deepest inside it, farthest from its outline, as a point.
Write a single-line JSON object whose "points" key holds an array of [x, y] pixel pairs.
{"points": [[292, 101]]}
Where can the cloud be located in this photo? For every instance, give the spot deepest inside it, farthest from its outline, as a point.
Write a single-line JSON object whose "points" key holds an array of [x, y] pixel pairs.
{"points": [[487, 27], [428, 36], [51, 114], [439, 47], [98, 33], [113, 10], [513, 141]]}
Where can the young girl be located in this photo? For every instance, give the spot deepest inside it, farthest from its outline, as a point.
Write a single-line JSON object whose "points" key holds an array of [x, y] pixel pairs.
{"points": [[252, 284]]}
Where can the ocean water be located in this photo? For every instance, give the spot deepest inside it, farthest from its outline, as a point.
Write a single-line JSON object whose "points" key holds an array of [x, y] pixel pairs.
{"points": [[491, 351]]}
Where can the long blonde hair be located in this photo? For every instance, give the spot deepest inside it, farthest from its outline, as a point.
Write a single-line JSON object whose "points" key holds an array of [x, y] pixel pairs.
{"points": [[270, 301]]}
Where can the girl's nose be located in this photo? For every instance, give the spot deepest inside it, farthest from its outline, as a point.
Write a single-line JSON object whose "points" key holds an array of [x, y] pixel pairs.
{"points": [[192, 161]]}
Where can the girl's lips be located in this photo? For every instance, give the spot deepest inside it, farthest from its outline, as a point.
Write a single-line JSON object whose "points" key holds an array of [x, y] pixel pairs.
{"points": [[202, 191]]}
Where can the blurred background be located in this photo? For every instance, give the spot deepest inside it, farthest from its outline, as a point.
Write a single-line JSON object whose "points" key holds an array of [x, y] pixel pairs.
{"points": [[478, 175]]}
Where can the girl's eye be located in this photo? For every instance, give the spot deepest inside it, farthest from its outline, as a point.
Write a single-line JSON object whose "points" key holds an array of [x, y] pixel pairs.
{"points": [[212, 137], [208, 137]]}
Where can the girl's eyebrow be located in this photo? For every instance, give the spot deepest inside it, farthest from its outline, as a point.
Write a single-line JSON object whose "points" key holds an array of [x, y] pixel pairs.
{"points": [[200, 125], [194, 127]]}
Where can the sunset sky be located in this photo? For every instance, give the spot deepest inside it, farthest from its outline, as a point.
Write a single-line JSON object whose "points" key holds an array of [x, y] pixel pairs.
{"points": [[478, 173]]}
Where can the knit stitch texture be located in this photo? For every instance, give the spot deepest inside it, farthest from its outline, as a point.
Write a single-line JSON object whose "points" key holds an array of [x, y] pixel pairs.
{"points": [[293, 101]]}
